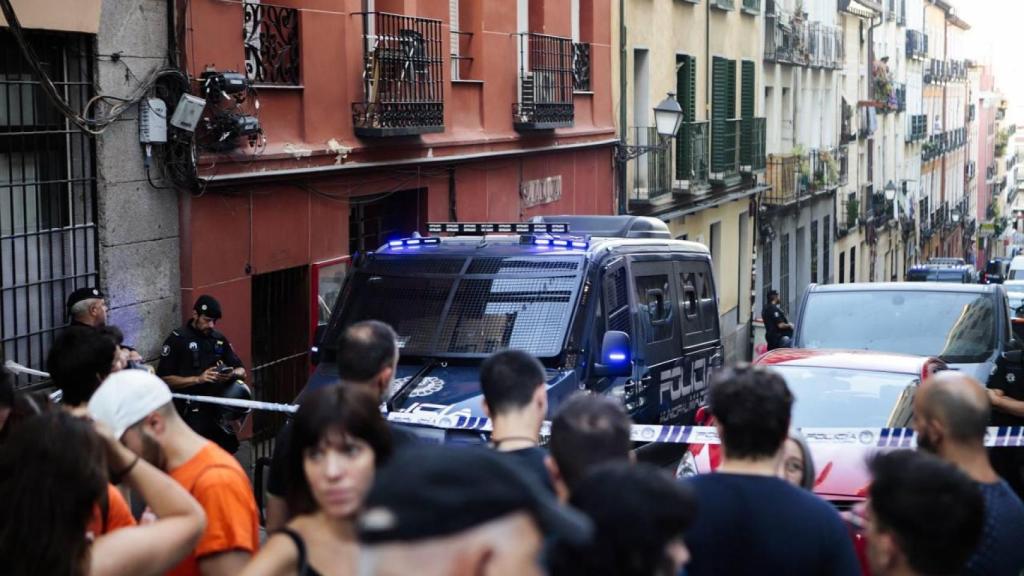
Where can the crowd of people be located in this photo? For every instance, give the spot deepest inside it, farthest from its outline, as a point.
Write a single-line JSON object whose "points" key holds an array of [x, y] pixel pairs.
{"points": [[352, 494]]}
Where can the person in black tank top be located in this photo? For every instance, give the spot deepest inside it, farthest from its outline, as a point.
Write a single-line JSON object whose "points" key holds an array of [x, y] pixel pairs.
{"points": [[338, 440]]}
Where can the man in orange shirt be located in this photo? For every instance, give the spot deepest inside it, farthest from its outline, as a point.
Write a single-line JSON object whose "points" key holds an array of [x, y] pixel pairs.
{"points": [[138, 408]]}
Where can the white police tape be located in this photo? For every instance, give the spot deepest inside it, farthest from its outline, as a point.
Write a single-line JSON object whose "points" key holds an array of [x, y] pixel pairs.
{"points": [[995, 436]]}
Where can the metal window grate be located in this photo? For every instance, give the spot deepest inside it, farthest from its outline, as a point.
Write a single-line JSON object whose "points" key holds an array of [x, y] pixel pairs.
{"points": [[48, 241], [520, 266], [271, 38], [403, 265]]}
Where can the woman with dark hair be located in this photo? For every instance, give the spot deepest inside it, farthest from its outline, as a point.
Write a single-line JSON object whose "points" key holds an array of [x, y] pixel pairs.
{"points": [[796, 465], [338, 440], [53, 470]]}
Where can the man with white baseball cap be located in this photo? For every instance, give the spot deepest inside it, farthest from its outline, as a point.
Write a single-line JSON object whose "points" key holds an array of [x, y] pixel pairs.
{"points": [[138, 407]]}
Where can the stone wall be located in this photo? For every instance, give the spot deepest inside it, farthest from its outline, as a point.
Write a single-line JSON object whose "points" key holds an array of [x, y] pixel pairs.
{"points": [[138, 223]]}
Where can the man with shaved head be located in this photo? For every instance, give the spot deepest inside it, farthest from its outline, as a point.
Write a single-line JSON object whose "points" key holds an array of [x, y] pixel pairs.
{"points": [[951, 413]]}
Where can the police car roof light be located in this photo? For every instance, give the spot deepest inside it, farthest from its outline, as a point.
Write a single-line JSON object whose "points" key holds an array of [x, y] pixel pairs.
{"points": [[413, 242], [481, 228]]}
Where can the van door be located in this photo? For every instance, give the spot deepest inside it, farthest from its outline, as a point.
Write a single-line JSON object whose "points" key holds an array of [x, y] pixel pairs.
{"points": [[612, 312], [699, 332], [658, 371]]}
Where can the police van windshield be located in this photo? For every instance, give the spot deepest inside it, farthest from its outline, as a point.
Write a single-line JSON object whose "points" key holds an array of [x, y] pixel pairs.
{"points": [[468, 306], [957, 327]]}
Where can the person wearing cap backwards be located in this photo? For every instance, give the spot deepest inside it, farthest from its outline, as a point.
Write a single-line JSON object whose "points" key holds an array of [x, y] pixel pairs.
{"points": [[138, 408], [442, 510], [197, 359]]}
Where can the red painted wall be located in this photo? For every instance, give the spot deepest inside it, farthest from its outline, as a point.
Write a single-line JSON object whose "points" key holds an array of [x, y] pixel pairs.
{"points": [[234, 231]]}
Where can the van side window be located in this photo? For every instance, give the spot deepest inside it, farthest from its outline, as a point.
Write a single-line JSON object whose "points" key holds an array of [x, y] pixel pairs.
{"points": [[654, 306], [697, 303], [616, 300]]}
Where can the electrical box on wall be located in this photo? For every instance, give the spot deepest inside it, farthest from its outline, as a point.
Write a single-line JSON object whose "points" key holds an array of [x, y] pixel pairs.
{"points": [[152, 121], [187, 112]]}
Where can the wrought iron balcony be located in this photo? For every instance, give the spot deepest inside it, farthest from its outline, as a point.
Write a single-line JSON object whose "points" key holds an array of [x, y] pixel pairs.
{"points": [[580, 67], [271, 38], [844, 164], [650, 174], [790, 39], [403, 77], [545, 83], [784, 179], [725, 151], [752, 144], [692, 157]]}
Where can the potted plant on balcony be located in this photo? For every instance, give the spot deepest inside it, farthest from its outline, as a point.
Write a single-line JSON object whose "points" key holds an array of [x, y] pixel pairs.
{"points": [[852, 212]]}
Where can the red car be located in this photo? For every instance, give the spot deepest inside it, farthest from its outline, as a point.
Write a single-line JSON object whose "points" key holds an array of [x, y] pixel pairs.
{"points": [[837, 389]]}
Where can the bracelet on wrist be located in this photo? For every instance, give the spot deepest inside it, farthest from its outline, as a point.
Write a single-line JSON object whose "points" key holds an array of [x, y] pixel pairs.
{"points": [[117, 477]]}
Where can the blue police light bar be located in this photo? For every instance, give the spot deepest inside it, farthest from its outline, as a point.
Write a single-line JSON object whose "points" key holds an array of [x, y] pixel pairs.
{"points": [[572, 244], [481, 228], [406, 242]]}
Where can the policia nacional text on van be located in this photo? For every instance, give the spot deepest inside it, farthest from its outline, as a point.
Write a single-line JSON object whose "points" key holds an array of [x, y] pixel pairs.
{"points": [[197, 359]]}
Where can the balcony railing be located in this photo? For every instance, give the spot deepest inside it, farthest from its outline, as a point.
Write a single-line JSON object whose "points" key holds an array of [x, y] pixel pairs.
{"points": [[403, 77], [783, 177], [692, 157], [844, 165], [891, 96], [790, 39], [753, 132], [580, 67], [651, 173], [545, 83], [725, 148], [271, 38]]}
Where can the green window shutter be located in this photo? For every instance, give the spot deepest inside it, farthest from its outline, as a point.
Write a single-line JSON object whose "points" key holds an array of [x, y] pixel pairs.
{"points": [[719, 88], [748, 86], [686, 94], [747, 100], [723, 108], [731, 88]]}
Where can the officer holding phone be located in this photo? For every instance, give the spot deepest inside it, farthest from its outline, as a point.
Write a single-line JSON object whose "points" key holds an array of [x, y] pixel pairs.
{"points": [[196, 359]]}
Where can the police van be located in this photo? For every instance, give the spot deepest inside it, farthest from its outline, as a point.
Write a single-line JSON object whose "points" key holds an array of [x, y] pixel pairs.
{"points": [[610, 304]]}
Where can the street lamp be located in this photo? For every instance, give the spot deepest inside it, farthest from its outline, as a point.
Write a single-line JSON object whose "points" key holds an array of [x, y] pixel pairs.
{"points": [[668, 116], [890, 191]]}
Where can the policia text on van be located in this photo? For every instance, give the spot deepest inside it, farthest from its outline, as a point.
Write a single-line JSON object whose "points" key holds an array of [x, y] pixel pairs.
{"points": [[610, 304]]}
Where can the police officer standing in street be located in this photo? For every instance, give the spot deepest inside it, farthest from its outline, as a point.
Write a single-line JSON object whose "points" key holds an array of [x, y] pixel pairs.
{"points": [[776, 325], [196, 359]]}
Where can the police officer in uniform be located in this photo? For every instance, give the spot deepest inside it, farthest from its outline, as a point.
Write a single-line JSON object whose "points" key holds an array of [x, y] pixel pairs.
{"points": [[87, 307], [196, 359], [776, 325]]}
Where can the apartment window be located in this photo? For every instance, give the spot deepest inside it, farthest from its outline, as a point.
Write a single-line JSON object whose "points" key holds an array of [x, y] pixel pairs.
{"points": [[716, 248], [853, 264], [814, 252], [271, 38], [784, 270], [826, 247], [842, 267], [48, 243], [766, 272]]}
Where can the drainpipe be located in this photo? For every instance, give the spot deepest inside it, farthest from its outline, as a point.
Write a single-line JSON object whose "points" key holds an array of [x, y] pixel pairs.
{"points": [[621, 166]]}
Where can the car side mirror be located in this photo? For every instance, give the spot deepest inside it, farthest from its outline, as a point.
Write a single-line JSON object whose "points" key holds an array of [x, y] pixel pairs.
{"points": [[616, 359], [318, 337]]}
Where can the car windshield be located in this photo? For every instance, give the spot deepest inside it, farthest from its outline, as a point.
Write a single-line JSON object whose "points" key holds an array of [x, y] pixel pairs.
{"points": [[1017, 274], [1016, 300], [444, 306], [957, 327], [842, 398]]}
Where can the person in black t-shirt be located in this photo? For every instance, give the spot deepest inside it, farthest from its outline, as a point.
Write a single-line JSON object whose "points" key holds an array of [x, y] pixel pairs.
{"points": [[367, 358], [776, 325], [516, 401], [750, 521]]}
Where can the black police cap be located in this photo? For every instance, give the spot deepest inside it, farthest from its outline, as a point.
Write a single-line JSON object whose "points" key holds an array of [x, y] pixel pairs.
{"points": [[87, 293], [208, 306], [457, 489]]}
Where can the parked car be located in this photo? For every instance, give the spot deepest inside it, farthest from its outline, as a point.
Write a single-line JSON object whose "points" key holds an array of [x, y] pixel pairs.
{"points": [[610, 304], [996, 271], [966, 326], [954, 273], [837, 389], [1016, 268]]}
